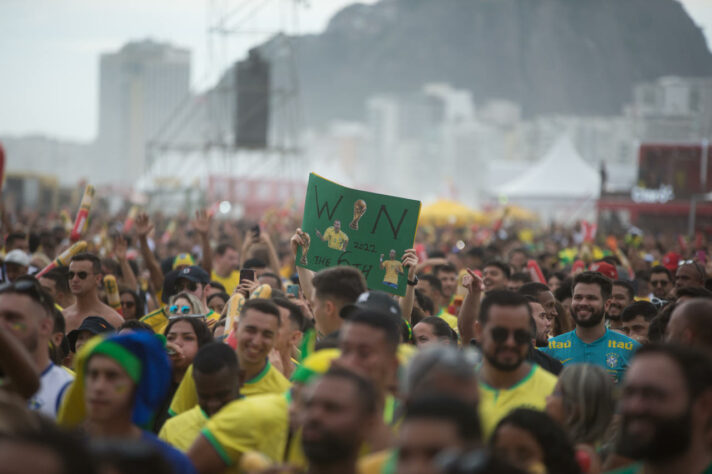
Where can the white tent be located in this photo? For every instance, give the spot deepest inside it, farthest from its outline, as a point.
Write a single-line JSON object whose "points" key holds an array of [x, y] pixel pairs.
{"points": [[560, 174]]}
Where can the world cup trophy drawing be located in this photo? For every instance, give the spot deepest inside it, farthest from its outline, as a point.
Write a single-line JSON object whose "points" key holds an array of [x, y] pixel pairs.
{"points": [[359, 211], [306, 240]]}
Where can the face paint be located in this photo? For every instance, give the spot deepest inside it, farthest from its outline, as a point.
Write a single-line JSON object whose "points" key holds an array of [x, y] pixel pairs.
{"points": [[121, 388], [18, 326]]}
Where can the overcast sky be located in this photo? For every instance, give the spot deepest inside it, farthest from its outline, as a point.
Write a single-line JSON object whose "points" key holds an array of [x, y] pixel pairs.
{"points": [[49, 49]]}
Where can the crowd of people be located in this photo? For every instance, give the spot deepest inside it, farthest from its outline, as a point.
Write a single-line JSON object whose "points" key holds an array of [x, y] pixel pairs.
{"points": [[197, 345]]}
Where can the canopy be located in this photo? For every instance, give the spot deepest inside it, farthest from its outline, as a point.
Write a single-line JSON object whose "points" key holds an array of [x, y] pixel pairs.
{"points": [[444, 211], [561, 173]]}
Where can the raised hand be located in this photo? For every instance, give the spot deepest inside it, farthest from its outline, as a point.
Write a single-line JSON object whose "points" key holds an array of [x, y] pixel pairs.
{"points": [[143, 225], [202, 221]]}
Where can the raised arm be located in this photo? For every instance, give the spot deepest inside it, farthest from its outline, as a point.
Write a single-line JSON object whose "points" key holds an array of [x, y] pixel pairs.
{"points": [[410, 261], [144, 227], [128, 278], [201, 224], [470, 309], [301, 238], [271, 253]]}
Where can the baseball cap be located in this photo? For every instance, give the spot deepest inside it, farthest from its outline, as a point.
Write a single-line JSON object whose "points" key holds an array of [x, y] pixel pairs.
{"points": [[183, 260], [605, 268], [18, 257], [93, 324], [192, 273], [670, 260], [377, 301]]}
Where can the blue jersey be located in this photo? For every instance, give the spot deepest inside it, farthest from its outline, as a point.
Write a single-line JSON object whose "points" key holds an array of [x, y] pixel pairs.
{"points": [[613, 351]]}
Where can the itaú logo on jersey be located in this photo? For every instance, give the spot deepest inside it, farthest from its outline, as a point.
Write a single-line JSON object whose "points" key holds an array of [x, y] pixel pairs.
{"points": [[559, 345], [620, 345]]}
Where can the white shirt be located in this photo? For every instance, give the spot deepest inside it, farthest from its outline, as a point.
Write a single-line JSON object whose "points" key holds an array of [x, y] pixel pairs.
{"points": [[53, 384]]}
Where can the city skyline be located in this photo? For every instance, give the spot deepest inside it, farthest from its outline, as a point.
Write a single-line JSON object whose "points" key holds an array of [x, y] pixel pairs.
{"points": [[55, 62]]}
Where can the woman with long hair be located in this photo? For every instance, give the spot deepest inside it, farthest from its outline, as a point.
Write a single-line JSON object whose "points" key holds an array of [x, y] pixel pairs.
{"points": [[582, 403]]}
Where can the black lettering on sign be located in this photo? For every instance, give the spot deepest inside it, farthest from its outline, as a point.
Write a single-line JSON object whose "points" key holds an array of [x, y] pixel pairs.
{"points": [[342, 259], [366, 247], [322, 261], [395, 229], [320, 210]]}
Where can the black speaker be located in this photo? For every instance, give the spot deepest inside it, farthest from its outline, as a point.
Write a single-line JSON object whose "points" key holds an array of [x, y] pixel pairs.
{"points": [[252, 117]]}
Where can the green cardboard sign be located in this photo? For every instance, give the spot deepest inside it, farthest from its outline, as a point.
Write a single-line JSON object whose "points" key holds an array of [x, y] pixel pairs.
{"points": [[365, 230]]}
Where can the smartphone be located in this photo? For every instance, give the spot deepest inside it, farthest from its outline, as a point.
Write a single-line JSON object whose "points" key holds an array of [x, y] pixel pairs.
{"points": [[247, 274], [293, 290], [256, 230]]}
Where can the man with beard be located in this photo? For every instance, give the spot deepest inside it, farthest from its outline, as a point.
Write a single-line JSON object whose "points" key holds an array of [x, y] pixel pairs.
{"points": [[507, 380], [666, 408], [340, 411], [622, 295], [591, 342]]}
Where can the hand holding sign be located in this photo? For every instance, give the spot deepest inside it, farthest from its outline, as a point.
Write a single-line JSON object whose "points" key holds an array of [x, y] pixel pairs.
{"points": [[388, 228]]}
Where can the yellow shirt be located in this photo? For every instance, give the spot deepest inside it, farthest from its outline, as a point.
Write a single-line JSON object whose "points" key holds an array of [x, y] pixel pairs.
{"points": [[270, 380], [180, 431], [393, 268], [530, 392], [450, 319], [259, 423], [336, 240], [158, 319], [230, 282]]}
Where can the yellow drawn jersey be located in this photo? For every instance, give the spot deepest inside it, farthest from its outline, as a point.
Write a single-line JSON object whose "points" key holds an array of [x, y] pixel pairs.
{"points": [[393, 268], [530, 392], [335, 240]]}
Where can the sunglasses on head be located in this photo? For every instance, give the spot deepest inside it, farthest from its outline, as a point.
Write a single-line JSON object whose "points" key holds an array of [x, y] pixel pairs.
{"points": [[175, 309], [521, 336], [29, 288], [82, 275]]}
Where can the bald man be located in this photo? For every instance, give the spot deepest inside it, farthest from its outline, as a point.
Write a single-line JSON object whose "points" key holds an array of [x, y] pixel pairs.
{"points": [[691, 324]]}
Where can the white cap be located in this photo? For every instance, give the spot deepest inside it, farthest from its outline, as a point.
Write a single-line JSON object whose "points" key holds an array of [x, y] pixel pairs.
{"points": [[18, 257]]}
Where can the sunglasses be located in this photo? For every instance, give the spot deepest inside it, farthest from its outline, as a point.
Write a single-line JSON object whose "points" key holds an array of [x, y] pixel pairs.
{"points": [[185, 284], [174, 309], [659, 282], [32, 289], [128, 304], [521, 336], [82, 275], [699, 268]]}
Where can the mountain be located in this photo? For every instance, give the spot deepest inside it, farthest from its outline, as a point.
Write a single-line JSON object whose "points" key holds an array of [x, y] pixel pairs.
{"points": [[551, 56]]}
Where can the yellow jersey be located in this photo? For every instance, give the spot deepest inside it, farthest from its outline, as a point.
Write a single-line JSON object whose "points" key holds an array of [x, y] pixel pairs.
{"points": [[230, 282], [393, 268], [158, 319], [270, 380], [530, 392], [336, 240], [259, 423], [181, 431]]}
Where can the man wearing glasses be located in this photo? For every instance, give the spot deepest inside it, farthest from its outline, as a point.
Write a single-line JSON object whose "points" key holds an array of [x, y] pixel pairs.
{"points": [[84, 278], [506, 380], [661, 281]]}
